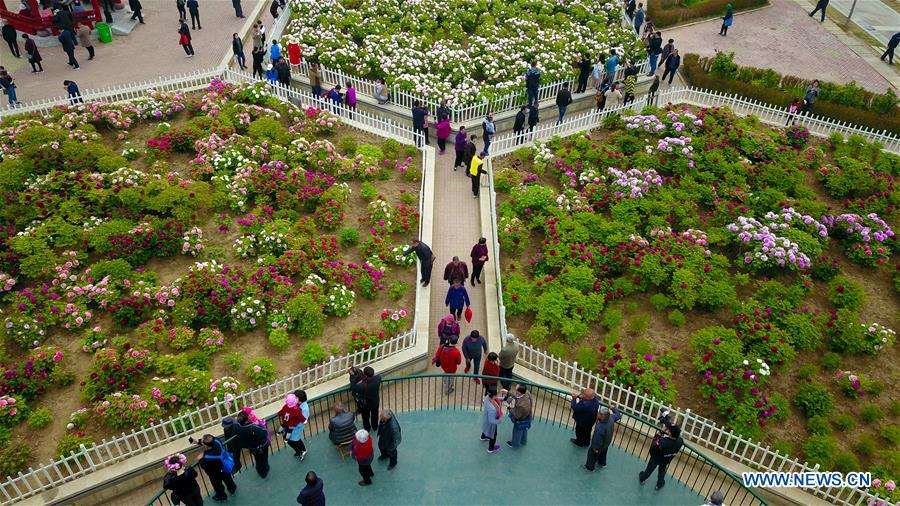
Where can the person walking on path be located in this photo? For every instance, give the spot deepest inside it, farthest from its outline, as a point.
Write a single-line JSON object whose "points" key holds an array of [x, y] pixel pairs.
{"points": [[663, 448], [448, 359], [388, 437], [73, 92], [584, 72], [479, 255], [237, 47], [654, 49], [341, 427], [521, 408], [182, 12], [488, 129], [182, 481], [442, 132], [491, 368], [533, 118], [185, 39], [255, 438], [293, 416], [258, 55], [611, 64], [604, 430], [419, 120], [260, 33], [666, 52], [793, 109], [448, 328], [67, 40], [672, 64], [456, 271], [563, 99], [472, 347], [471, 149], [460, 146], [238, 10], [812, 93], [519, 125], [533, 83], [892, 45], [475, 172], [350, 99], [8, 84], [443, 110], [584, 411], [213, 462], [639, 19], [491, 416], [456, 298], [135, 6], [597, 72], [508, 354], [315, 79], [194, 8], [651, 92], [728, 18], [426, 259], [34, 56], [313, 494], [9, 35], [361, 449], [84, 39], [821, 5], [367, 393]]}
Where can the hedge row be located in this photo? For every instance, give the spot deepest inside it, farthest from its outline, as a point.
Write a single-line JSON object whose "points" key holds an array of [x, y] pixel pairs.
{"points": [[693, 72], [666, 13]]}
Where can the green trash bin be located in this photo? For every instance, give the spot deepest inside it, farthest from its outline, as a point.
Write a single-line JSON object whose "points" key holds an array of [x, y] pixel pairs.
{"points": [[104, 32]]}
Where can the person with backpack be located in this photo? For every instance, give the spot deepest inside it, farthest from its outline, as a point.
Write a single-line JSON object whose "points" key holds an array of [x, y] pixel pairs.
{"points": [[563, 99], [182, 481], [218, 464], [488, 129], [448, 359], [533, 83], [254, 437], [293, 416]]}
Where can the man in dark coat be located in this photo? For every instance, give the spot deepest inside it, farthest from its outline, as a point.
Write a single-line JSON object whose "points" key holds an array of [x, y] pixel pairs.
{"points": [[470, 152], [419, 115], [665, 445], [367, 392], [584, 411], [519, 125], [237, 47], [34, 56], [603, 436], [284, 72], [185, 33], [892, 45], [135, 6], [67, 40], [313, 494], [9, 35], [426, 259], [341, 427], [255, 438], [63, 19], [388, 437], [238, 11], [456, 271], [672, 64], [211, 462], [563, 99], [258, 54], [228, 430], [820, 6], [194, 8], [533, 117], [584, 71]]}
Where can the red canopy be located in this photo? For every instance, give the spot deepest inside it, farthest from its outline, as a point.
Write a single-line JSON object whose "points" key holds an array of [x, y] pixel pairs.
{"points": [[35, 18]]}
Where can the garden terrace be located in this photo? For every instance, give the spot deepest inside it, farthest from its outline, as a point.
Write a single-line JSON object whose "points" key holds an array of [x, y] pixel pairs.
{"points": [[708, 261], [197, 243]]}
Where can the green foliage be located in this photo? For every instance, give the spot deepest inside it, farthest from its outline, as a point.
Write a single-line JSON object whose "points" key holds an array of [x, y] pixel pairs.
{"points": [[831, 361], [279, 338], [397, 289], [717, 348], [14, 457], [814, 399], [638, 324], [845, 293], [612, 318], [846, 462], [587, 358], [313, 353], [234, 360], [348, 237], [268, 129], [808, 371], [783, 447], [538, 334], [368, 191], [39, 418], [660, 301], [71, 443], [871, 413], [819, 425], [557, 349], [305, 315], [891, 433], [668, 13], [347, 145], [894, 408], [820, 449], [844, 422], [677, 318], [866, 445], [800, 330], [261, 370]]}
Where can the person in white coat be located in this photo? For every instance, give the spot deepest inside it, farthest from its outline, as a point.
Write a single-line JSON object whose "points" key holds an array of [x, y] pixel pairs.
{"points": [[490, 419]]}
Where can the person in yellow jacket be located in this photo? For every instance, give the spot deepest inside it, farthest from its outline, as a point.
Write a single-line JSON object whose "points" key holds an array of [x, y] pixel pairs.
{"points": [[475, 172]]}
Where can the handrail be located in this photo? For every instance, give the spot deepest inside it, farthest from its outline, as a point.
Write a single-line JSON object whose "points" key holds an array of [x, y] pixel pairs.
{"points": [[644, 425]]}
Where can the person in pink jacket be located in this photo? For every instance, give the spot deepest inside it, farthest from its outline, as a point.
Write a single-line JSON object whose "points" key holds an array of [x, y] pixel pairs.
{"points": [[442, 129], [350, 99]]}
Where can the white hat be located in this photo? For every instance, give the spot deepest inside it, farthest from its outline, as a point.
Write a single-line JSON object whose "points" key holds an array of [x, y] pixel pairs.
{"points": [[269, 67], [362, 435]]}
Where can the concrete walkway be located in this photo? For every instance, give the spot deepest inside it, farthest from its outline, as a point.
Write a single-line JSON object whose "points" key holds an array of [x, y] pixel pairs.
{"points": [[874, 16], [783, 37]]}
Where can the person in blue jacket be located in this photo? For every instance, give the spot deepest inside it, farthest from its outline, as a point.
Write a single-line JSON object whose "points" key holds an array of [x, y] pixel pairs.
{"points": [[611, 63], [275, 51], [271, 74], [73, 92], [727, 20], [457, 296]]}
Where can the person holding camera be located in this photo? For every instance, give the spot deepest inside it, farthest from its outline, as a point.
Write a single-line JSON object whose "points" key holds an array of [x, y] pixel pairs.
{"points": [[293, 416], [366, 393], [603, 435], [255, 438], [218, 464], [584, 411], [521, 408], [665, 445]]}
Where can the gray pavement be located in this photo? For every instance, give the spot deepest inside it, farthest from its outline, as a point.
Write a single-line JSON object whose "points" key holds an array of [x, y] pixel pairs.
{"points": [[874, 16]]}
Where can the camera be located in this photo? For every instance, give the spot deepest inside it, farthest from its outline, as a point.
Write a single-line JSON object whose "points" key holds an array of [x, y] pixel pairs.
{"points": [[665, 419]]}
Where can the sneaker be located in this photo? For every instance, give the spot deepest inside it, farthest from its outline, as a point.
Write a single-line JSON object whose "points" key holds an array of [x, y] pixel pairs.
{"points": [[660, 486], [495, 449], [362, 483], [466, 371], [509, 444], [641, 477], [391, 466], [302, 455], [586, 468], [485, 438]]}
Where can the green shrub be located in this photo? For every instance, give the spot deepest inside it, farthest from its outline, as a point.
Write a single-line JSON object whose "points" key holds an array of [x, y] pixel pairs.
{"points": [[894, 408], [587, 358], [14, 458], [819, 425], [347, 145], [611, 318], [831, 361], [845, 293], [814, 399], [39, 418], [279, 338], [313, 353], [71, 443], [631, 307], [397, 289], [348, 237], [305, 315], [871, 413], [677, 318], [269, 129], [557, 349], [844, 422], [234, 360], [783, 447], [866, 445], [261, 371], [660, 301], [638, 324], [820, 450], [368, 191], [667, 13], [846, 462], [808, 371], [391, 148], [801, 331], [891, 433], [538, 334], [885, 104]]}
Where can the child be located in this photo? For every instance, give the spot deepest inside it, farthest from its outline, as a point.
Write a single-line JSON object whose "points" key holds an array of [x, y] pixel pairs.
{"points": [[792, 110], [442, 130]]}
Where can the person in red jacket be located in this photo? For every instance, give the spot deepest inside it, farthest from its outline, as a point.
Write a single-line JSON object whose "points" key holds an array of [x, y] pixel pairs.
{"points": [[361, 449], [448, 359], [293, 418], [491, 368]]}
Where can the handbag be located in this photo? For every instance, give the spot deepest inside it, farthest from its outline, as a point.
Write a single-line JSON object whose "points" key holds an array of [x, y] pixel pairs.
{"points": [[522, 424], [468, 314]]}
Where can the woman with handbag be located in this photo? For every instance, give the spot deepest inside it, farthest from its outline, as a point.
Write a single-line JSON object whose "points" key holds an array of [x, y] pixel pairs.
{"points": [[490, 420], [293, 416]]}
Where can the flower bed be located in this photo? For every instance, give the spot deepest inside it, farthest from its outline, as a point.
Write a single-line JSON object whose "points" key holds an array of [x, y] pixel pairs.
{"points": [[158, 245], [466, 50], [710, 261]]}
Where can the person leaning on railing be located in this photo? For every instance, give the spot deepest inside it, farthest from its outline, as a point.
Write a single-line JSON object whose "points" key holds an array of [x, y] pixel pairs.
{"points": [[508, 354], [255, 438], [213, 463]]}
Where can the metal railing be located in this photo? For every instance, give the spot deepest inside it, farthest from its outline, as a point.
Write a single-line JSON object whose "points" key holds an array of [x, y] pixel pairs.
{"points": [[551, 408]]}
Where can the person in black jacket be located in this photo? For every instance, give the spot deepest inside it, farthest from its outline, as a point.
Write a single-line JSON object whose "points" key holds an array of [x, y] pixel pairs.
{"points": [[9, 35], [672, 64], [651, 93], [284, 72], [182, 481], [135, 6], [237, 47], [194, 8], [519, 126], [533, 117], [63, 19], [185, 39], [313, 494], [665, 445], [821, 5], [211, 463], [238, 11], [419, 120], [563, 99], [255, 438], [891, 47], [388, 437], [67, 39], [258, 54], [367, 392], [584, 71], [233, 446], [426, 259], [584, 411]]}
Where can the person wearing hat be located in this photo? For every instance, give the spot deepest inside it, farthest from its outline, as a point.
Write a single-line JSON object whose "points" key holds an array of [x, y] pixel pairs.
{"points": [[361, 449], [293, 416], [604, 430], [716, 499], [271, 74], [254, 437], [233, 447]]}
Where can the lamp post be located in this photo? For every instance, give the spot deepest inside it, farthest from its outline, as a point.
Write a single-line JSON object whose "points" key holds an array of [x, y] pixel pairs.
{"points": [[850, 14]]}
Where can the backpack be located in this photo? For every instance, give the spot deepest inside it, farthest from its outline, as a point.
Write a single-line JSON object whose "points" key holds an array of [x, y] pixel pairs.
{"points": [[226, 457], [531, 78]]}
